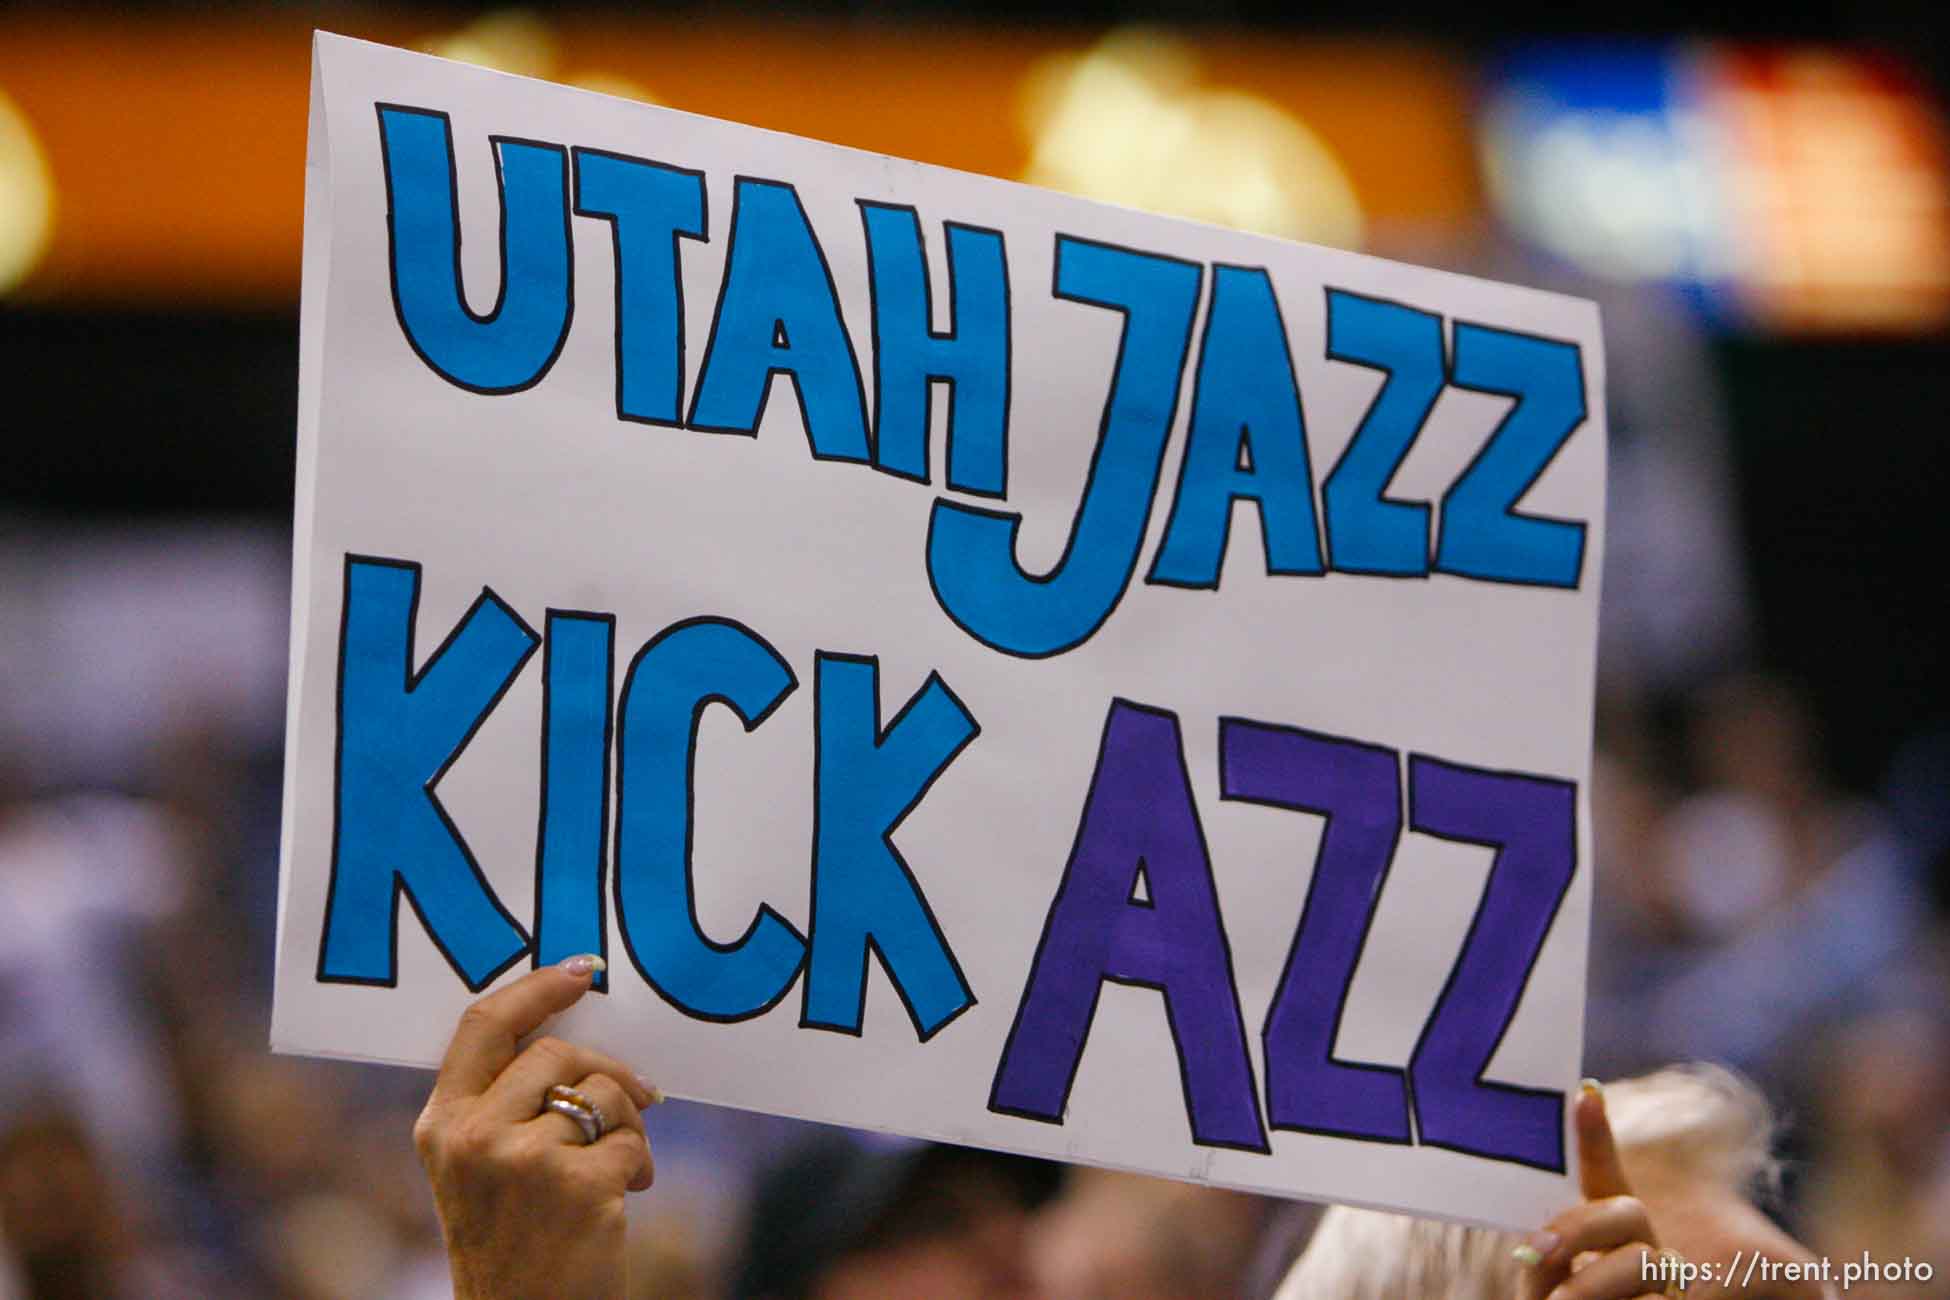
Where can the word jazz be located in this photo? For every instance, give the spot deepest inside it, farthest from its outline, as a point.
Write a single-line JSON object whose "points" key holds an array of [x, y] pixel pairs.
{"points": [[778, 313], [1136, 904]]}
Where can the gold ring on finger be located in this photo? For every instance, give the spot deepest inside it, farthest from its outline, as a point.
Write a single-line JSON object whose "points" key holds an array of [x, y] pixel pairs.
{"points": [[577, 1107]]}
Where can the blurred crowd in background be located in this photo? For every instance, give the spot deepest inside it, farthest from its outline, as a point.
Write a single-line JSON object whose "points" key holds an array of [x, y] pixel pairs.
{"points": [[1772, 785]]}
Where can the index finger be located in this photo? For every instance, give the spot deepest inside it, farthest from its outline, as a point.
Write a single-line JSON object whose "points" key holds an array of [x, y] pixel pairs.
{"points": [[1601, 1174], [490, 1031]]}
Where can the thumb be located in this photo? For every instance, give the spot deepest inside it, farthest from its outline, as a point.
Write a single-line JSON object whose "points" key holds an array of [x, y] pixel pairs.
{"points": [[1600, 1172]]}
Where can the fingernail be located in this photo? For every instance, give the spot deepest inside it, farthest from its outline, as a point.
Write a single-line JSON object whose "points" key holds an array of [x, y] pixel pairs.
{"points": [[1539, 1244], [656, 1093], [1591, 1086], [587, 963]]}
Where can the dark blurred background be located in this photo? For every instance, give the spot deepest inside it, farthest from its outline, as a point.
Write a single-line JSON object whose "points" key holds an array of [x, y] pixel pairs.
{"points": [[1758, 196]]}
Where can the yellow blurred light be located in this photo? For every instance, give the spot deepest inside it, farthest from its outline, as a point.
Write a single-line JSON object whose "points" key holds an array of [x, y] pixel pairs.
{"points": [[522, 42], [1129, 122], [507, 40], [26, 197]]}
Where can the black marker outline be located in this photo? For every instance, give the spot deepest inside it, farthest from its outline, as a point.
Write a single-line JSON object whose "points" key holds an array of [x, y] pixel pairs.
{"points": [[952, 334], [412, 679], [677, 234], [1090, 1018], [1361, 428], [739, 184], [1510, 510], [600, 983], [1326, 815], [820, 657], [750, 724], [1014, 517], [460, 282], [1242, 443], [1530, 969]]}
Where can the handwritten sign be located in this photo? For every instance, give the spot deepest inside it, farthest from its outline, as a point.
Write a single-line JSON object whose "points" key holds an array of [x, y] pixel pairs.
{"points": [[980, 664]]}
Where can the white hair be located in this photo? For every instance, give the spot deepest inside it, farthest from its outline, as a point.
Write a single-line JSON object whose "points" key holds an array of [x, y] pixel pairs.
{"points": [[1698, 1121]]}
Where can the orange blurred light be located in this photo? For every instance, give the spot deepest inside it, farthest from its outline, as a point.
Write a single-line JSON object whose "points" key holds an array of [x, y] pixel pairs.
{"points": [[176, 145]]}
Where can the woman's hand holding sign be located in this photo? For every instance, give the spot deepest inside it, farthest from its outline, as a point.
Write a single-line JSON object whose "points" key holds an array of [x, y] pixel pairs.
{"points": [[531, 1149], [1608, 1246], [1605, 1247]]}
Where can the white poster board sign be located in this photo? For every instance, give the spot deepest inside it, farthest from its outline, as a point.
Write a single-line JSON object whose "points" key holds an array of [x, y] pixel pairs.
{"points": [[980, 664]]}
